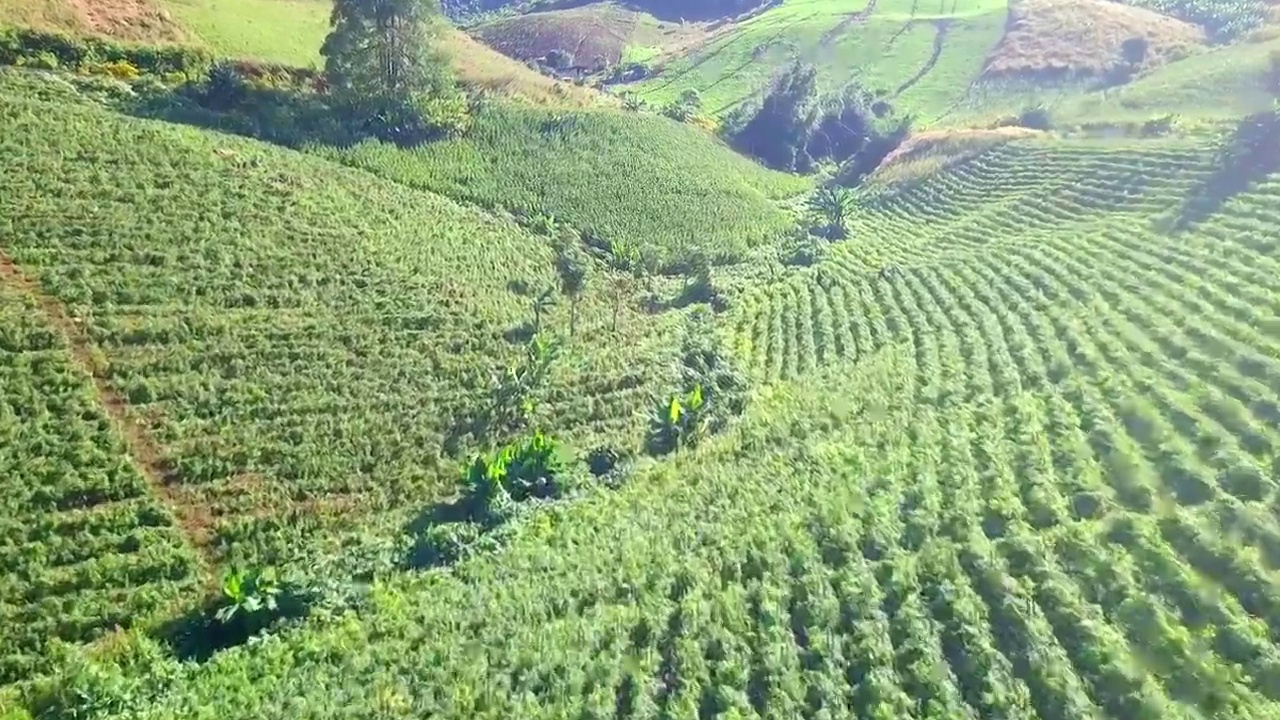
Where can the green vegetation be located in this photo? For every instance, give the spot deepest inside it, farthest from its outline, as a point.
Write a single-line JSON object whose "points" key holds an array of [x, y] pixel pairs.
{"points": [[303, 340], [85, 543], [629, 178], [1030, 473], [286, 31], [923, 55], [383, 67], [579, 413]]}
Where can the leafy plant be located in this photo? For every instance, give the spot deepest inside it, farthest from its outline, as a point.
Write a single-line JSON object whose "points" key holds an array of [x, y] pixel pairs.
{"points": [[526, 469], [248, 596], [679, 421], [832, 204]]}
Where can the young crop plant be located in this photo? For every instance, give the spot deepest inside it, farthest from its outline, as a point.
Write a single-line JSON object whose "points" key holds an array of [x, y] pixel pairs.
{"points": [[531, 468], [679, 422], [832, 205], [514, 395]]}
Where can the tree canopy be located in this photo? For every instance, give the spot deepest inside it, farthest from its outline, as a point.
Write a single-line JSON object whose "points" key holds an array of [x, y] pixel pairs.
{"points": [[383, 66]]}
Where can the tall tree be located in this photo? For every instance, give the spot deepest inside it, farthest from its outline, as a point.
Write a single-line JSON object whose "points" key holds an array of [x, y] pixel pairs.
{"points": [[382, 64]]}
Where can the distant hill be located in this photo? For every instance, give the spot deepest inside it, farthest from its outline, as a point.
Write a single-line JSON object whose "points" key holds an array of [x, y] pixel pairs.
{"points": [[665, 9]]}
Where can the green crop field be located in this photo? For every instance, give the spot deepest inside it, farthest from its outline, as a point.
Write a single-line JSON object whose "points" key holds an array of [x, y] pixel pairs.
{"points": [[369, 431], [922, 53], [84, 544], [634, 178], [1031, 474], [300, 338]]}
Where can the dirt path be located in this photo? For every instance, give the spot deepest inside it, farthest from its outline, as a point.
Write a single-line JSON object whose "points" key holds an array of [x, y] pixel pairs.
{"points": [[859, 17], [939, 41], [146, 456]]}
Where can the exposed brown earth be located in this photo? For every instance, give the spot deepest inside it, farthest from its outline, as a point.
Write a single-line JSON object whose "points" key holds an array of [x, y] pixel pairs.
{"points": [[1064, 39], [193, 518]]}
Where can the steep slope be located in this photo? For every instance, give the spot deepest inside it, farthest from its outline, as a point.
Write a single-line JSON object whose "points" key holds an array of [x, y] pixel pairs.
{"points": [[924, 54], [640, 179], [1029, 472], [307, 348]]}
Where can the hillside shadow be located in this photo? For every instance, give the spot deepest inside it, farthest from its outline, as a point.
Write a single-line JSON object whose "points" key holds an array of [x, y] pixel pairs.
{"points": [[292, 117], [1250, 154]]}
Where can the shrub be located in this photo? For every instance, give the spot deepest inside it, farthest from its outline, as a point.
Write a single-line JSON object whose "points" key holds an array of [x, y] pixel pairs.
{"points": [[34, 48], [559, 59], [121, 70], [1036, 118], [679, 421], [527, 469]]}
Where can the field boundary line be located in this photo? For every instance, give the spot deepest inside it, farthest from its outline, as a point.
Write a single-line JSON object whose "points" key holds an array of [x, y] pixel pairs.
{"points": [[144, 453]]}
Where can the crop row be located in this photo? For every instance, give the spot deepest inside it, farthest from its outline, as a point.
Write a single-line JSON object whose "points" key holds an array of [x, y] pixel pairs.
{"points": [[84, 547], [291, 341]]}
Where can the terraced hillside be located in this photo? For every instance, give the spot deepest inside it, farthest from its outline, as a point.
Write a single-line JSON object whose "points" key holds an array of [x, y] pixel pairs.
{"points": [[923, 53], [1009, 450], [956, 63], [298, 352], [1015, 454]]}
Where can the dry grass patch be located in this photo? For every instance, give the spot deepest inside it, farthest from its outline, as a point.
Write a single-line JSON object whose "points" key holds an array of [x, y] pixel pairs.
{"points": [[593, 34], [928, 153], [1072, 39], [587, 33], [482, 67], [138, 20], [132, 20]]}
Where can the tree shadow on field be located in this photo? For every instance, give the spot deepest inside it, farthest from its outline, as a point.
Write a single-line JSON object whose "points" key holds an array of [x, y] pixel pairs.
{"points": [[277, 104], [280, 117], [1249, 154], [441, 533]]}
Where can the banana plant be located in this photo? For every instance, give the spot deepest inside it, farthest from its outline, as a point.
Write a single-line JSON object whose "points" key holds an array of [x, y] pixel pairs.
{"points": [[247, 594]]}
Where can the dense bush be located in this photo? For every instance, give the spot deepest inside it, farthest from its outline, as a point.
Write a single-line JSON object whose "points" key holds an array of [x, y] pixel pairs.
{"points": [[795, 129], [527, 469], [46, 50]]}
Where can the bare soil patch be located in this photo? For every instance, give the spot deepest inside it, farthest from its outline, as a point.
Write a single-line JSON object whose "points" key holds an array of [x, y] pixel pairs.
{"points": [[1071, 39]]}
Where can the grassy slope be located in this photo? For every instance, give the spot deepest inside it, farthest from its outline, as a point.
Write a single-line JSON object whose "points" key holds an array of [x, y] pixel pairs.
{"points": [[256, 28], [299, 337], [887, 49], [894, 43], [1212, 86], [1044, 436], [638, 178]]}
